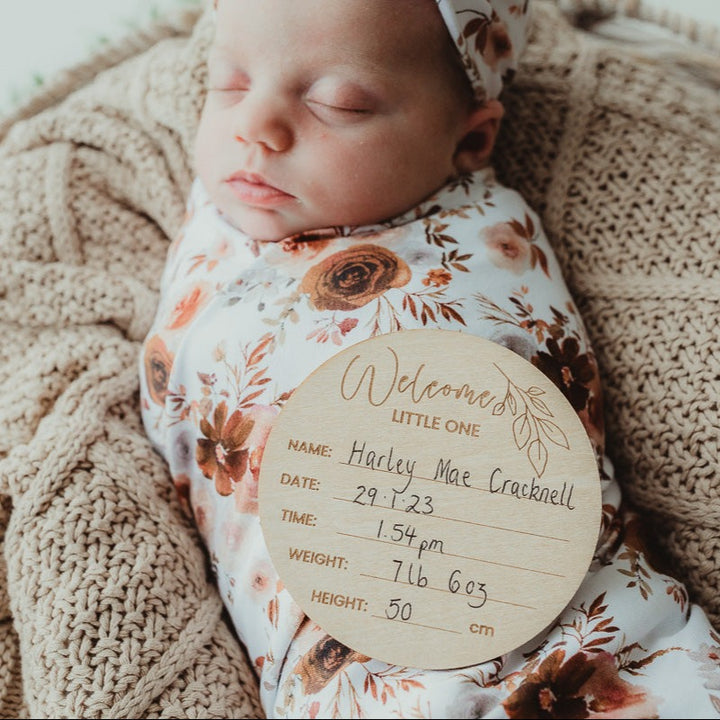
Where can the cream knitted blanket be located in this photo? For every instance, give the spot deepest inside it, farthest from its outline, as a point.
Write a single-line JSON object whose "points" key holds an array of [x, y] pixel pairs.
{"points": [[106, 604]]}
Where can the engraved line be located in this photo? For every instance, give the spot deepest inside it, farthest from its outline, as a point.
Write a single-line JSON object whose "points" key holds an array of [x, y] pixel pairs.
{"points": [[450, 592], [408, 622], [449, 554], [467, 522]]}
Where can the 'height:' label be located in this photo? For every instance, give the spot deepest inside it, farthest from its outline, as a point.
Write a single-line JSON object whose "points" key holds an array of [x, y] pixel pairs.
{"points": [[430, 487]]}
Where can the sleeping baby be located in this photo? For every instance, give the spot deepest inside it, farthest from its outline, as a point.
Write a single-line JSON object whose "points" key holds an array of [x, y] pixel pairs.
{"points": [[343, 191]]}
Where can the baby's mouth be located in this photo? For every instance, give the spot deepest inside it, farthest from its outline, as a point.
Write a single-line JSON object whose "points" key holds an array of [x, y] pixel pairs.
{"points": [[253, 189]]}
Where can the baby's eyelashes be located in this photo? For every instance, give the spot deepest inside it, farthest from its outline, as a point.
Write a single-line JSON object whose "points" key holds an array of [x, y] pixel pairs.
{"points": [[340, 101], [226, 97], [225, 79], [328, 111]]}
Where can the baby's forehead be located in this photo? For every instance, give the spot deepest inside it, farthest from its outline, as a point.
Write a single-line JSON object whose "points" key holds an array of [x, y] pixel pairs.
{"points": [[489, 35], [378, 32]]}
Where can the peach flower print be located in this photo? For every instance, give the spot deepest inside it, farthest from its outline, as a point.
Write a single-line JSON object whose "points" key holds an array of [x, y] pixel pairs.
{"points": [[158, 363], [351, 278], [233, 535], [188, 305], [246, 492], [221, 250], [231, 538], [182, 486], [203, 511], [507, 249], [262, 578]]}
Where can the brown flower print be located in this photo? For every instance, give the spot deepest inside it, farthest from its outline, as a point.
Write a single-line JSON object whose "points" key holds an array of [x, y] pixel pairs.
{"points": [[489, 37], [352, 278], [437, 277], [507, 249], [323, 661], [498, 45], [593, 415], [587, 685], [220, 454], [571, 371], [158, 363], [309, 243]]}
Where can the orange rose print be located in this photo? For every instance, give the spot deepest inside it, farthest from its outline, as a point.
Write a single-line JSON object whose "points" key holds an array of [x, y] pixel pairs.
{"points": [[158, 363], [507, 249], [185, 308], [352, 278]]}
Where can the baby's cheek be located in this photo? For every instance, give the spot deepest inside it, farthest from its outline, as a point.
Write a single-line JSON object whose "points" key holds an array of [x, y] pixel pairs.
{"points": [[209, 141]]}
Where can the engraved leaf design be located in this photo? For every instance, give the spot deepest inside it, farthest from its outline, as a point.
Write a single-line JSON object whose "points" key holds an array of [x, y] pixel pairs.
{"points": [[540, 405], [521, 430], [512, 403], [554, 433], [534, 391], [498, 409], [538, 455]]}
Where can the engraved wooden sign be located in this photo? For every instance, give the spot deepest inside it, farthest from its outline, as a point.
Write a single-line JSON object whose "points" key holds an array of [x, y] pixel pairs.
{"points": [[430, 489]]}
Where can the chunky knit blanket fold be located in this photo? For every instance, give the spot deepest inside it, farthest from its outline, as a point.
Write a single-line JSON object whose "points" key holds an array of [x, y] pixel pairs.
{"points": [[107, 608]]}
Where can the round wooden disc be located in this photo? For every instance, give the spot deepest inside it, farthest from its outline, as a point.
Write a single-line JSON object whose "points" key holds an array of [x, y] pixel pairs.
{"points": [[430, 489]]}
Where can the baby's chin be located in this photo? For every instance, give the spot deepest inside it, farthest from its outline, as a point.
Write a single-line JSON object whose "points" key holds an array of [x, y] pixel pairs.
{"points": [[268, 226], [260, 225]]}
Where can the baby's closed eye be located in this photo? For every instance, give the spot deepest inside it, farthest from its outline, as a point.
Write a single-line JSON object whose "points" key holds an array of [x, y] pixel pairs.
{"points": [[343, 103], [325, 108]]}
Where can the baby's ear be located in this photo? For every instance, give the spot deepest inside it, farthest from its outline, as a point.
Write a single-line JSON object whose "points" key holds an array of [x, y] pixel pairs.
{"points": [[475, 147]]}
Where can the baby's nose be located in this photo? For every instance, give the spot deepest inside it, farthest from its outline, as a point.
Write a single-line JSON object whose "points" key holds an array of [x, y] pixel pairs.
{"points": [[263, 120]]}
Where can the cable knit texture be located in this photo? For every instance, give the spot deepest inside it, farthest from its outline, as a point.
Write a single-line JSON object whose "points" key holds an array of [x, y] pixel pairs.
{"points": [[106, 604]]}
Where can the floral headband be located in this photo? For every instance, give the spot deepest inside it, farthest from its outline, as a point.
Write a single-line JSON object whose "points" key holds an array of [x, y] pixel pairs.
{"points": [[490, 35]]}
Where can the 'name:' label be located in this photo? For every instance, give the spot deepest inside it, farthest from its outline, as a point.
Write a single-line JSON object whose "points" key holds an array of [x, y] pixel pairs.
{"points": [[444, 491]]}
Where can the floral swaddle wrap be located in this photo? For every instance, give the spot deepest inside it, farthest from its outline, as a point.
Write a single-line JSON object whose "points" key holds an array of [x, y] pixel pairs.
{"points": [[242, 323]]}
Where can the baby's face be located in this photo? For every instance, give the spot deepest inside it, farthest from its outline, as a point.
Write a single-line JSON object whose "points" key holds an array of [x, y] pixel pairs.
{"points": [[324, 112]]}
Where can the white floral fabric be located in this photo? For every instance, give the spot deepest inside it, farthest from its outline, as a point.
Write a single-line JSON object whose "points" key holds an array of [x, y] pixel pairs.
{"points": [[490, 36], [240, 324]]}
